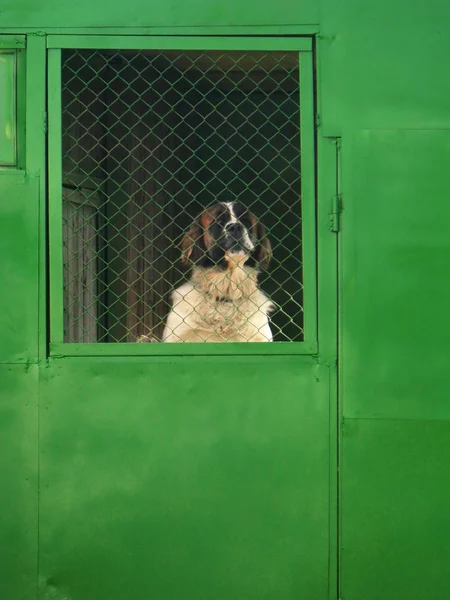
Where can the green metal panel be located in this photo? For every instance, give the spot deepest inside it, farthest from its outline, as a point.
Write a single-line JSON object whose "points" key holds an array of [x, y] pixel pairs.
{"points": [[19, 480], [36, 164], [327, 329], [161, 14], [384, 65], [395, 253], [214, 468], [11, 42], [395, 518], [19, 252], [200, 478]]}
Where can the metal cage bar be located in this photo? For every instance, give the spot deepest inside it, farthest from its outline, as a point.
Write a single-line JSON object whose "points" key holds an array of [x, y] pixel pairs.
{"points": [[132, 42], [55, 197], [307, 159]]}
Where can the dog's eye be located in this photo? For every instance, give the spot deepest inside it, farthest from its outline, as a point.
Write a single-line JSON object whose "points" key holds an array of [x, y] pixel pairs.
{"points": [[222, 221]]}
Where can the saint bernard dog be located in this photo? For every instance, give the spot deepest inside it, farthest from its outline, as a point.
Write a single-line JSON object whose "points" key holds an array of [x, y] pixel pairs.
{"points": [[226, 246]]}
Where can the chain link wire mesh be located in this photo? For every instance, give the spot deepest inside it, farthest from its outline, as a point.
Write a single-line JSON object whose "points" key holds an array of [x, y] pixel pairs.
{"points": [[152, 138]]}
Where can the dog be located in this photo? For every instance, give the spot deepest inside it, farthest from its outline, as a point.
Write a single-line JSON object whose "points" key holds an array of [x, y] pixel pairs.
{"points": [[225, 247]]}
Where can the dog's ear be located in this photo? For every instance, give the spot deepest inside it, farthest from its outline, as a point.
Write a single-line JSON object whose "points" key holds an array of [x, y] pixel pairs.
{"points": [[264, 249], [191, 245]]}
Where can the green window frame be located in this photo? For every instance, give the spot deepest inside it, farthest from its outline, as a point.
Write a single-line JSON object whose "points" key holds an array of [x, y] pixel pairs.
{"points": [[12, 94], [302, 45]]}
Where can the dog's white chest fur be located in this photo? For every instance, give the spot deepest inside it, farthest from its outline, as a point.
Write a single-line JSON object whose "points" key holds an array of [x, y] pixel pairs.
{"points": [[219, 306]]}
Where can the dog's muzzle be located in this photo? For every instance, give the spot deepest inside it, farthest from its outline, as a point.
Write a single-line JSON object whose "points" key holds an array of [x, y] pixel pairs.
{"points": [[237, 238]]}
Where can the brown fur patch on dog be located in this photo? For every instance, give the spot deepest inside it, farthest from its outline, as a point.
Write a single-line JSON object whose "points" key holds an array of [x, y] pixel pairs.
{"points": [[188, 241], [205, 220]]}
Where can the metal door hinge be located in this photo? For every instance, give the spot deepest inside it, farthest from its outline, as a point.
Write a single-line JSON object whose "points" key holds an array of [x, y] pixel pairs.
{"points": [[317, 120], [335, 214], [45, 122]]}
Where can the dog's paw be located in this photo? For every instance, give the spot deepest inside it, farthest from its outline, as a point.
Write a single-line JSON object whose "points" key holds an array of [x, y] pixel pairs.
{"points": [[145, 339]]}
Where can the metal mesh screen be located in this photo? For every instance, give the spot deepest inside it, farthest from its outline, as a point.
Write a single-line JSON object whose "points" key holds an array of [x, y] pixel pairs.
{"points": [[151, 139]]}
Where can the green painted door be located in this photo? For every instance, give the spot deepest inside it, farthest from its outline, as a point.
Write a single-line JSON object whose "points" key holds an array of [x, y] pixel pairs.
{"points": [[185, 470]]}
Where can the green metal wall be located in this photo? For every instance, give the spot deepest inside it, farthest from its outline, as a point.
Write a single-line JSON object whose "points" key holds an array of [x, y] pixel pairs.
{"points": [[383, 87]]}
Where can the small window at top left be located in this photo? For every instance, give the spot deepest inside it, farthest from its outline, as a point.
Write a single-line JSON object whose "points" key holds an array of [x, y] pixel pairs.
{"points": [[8, 108]]}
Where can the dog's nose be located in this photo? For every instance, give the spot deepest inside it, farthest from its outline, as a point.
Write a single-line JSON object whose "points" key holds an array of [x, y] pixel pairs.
{"points": [[235, 229]]}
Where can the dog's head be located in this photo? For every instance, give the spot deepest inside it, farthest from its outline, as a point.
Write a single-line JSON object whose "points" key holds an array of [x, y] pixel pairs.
{"points": [[226, 230]]}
